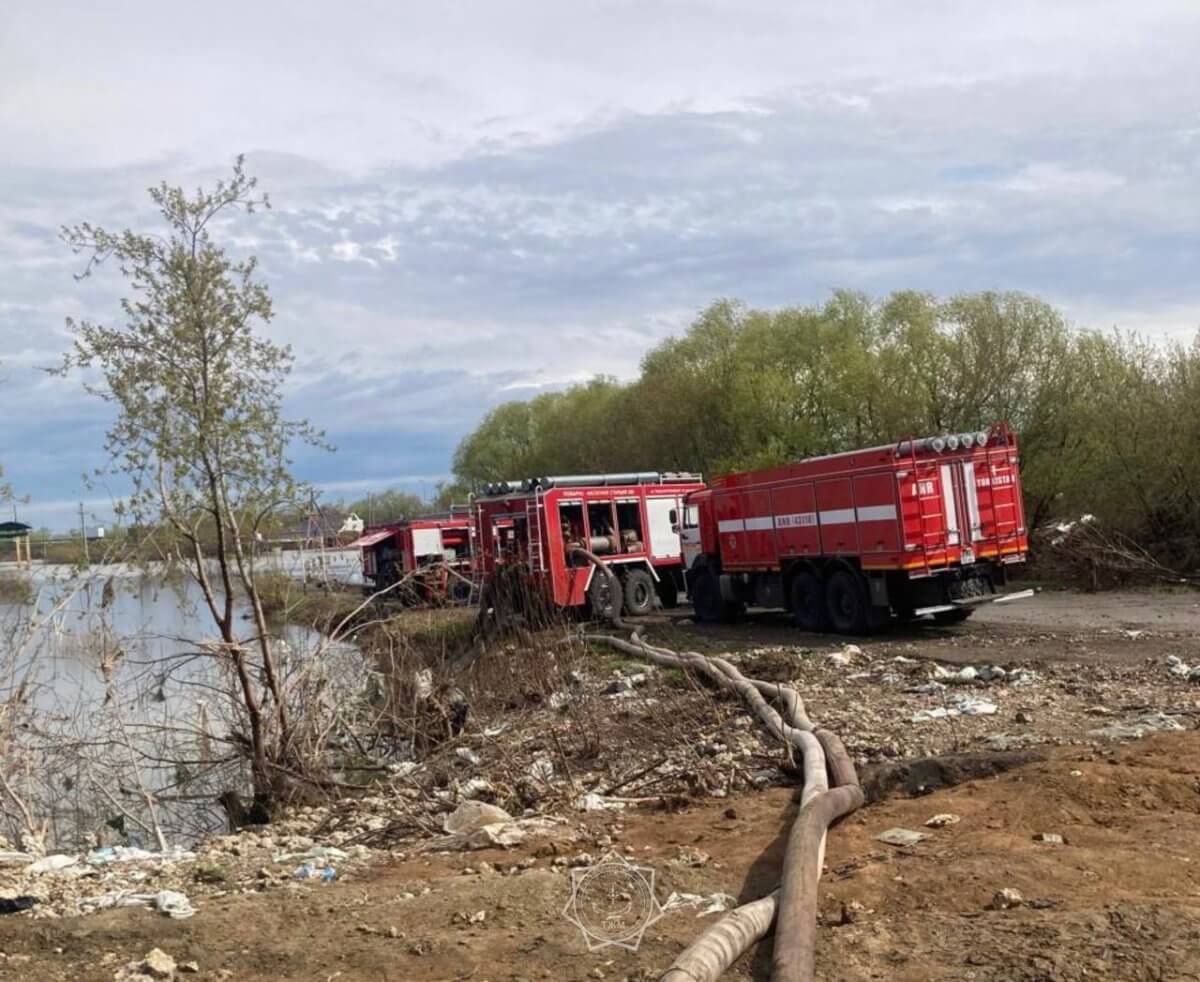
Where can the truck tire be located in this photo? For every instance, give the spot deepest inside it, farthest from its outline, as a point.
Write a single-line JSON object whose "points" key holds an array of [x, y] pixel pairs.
{"points": [[600, 597], [846, 602], [953, 616], [706, 596], [639, 593], [668, 591], [808, 602]]}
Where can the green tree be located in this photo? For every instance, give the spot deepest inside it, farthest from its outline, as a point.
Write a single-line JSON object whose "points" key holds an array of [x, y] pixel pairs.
{"points": [[199, 431]]}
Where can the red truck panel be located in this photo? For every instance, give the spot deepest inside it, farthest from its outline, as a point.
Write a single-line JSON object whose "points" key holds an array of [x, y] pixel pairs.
{"points": [[888, 507]]}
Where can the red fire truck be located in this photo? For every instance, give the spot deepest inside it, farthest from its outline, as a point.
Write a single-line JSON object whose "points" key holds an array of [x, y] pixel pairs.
{"points": [[923, 527], [631, 521], [434, 552]]}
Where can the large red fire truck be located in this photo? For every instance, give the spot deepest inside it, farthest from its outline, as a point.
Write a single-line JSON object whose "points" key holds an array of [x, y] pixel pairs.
{"points": [[630, 521], [847, 541], [431, 554]]}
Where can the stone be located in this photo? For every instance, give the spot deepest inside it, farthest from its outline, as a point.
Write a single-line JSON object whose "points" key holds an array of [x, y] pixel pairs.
{"points": [[1006, 899], [470, 816], [1051, 838], [157, 964], [942, 820], [1023, 717], [901, 837], [190, 968]]}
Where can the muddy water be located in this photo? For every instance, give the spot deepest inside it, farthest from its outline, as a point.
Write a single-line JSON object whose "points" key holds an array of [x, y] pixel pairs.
{"points": [[115, 680]]}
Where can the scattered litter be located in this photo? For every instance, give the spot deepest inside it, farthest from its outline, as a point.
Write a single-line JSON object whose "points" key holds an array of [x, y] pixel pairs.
{"points": [[309, 871], [475, 786], [542, 769], [942, 820], [592, 802], [14, 905], [992, 673], [846, 656], [901, 837], [961, 677], [315, 854], [1006, 899], [963, 706], [1133, 635], [9, 858], [495, 731], [169, 902], [128, 854], [714, 903], [1177, 666], [1050, 838], [469, 755], [1023, 677], [52, 864], [558, 700], [1138, 728]]}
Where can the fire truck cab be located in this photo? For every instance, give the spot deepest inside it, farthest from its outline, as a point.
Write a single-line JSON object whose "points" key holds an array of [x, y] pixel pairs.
{"points": [[432, 553], [849, 541], [630, 521]]}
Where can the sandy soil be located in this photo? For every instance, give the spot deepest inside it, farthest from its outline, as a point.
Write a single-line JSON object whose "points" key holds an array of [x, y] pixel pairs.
{"points": [[1119, 899]]}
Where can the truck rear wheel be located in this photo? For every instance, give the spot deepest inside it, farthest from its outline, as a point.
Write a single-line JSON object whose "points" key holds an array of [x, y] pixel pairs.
{"points": [[808, 602], [668, 591], [639, 593], [846, 602]]}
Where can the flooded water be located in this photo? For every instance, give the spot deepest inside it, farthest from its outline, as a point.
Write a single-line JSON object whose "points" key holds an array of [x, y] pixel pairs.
{"points": [[119, 679]]}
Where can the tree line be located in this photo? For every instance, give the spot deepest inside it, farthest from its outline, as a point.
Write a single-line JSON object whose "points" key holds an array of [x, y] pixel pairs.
{"points": [[1109, 422]]}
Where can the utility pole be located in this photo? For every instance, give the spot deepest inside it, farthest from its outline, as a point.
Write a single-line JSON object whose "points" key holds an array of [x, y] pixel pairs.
{"points": [[87, 559]]}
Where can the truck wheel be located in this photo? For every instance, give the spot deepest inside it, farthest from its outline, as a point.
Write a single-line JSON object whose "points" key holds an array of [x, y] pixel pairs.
{"points": [[600, 596], [846, 603], [706, 596], [808, 602], [953, 616], [639, 593], [668, 591]]}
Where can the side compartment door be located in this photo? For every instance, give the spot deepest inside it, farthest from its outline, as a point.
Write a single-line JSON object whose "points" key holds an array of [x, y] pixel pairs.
{"points": [[796, 520], [835, 512]]}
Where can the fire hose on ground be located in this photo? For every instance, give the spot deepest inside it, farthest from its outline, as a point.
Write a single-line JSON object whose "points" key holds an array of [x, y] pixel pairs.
{"points": [[830, 791]]}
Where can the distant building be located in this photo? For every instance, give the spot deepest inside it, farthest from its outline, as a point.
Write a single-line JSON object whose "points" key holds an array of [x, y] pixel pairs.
{"points": [[327, 527]]}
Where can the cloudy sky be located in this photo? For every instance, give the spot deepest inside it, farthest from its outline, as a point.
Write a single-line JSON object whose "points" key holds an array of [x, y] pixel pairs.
{"points": [[476, 201]]}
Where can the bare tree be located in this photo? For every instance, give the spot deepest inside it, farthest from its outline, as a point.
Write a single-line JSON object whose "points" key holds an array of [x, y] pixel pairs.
{"points": [[199, 431]]}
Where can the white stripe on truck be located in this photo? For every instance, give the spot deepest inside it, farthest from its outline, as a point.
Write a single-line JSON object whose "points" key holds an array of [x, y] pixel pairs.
{"points": [[877, 513], [837, 516]]}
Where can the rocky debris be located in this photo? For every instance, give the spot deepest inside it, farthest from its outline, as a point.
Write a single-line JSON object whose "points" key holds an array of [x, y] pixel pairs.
{"points": [[1006, 899], [901, 837], [471, 816], [942, 820], [156, 965], [1050, 838]]}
